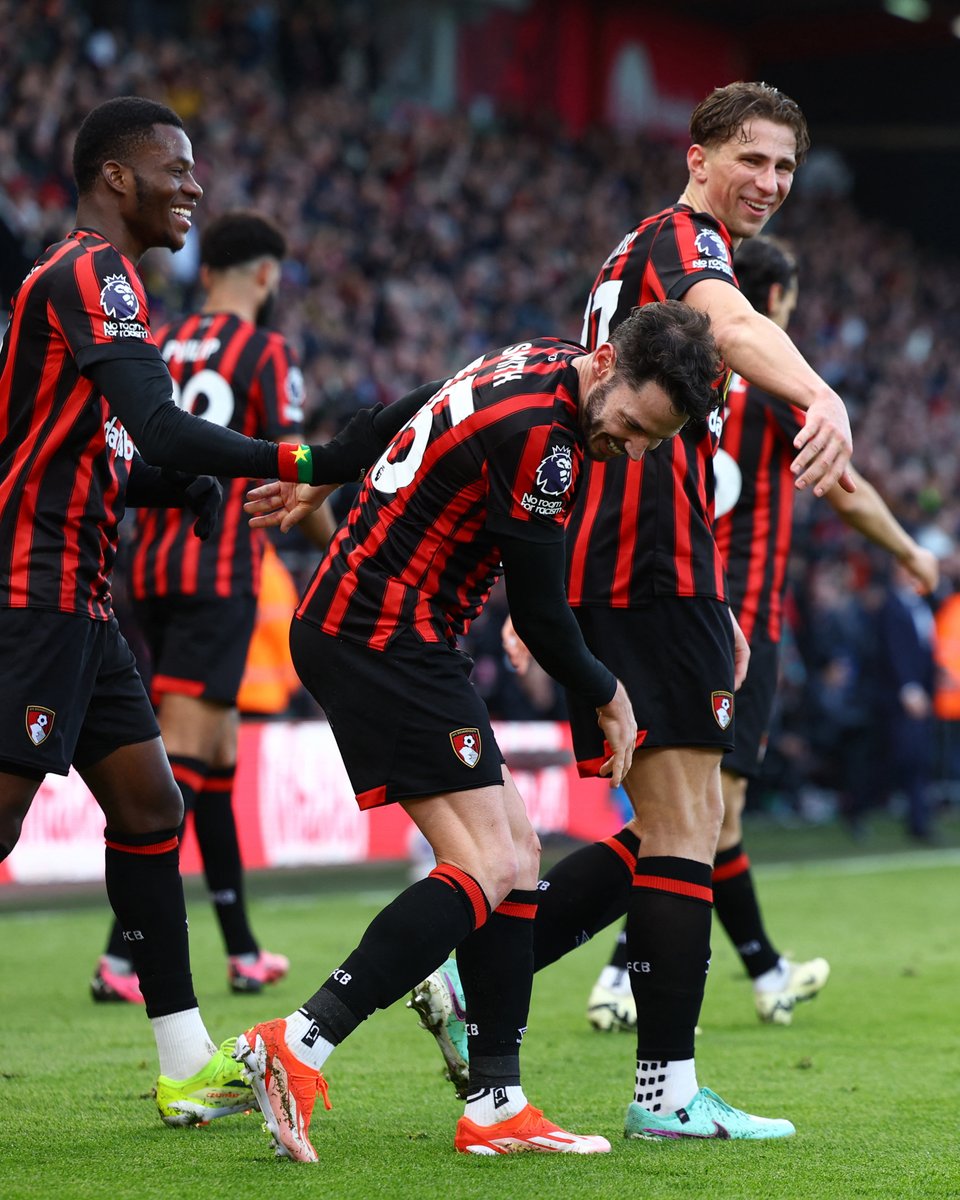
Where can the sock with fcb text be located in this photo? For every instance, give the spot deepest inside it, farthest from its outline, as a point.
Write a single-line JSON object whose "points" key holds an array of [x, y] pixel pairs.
{"points": [[407, 940], [735, 903], [216, 830], [189, 774], [146, 893], [496, 970], [668, 951], [582, 894]]}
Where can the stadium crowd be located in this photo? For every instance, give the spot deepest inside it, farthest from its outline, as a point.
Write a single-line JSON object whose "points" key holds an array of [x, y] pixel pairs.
{"points": [[418, 239]]}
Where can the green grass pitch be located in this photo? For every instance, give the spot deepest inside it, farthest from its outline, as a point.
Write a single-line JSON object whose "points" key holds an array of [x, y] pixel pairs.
{"points": [[869, 1072]]}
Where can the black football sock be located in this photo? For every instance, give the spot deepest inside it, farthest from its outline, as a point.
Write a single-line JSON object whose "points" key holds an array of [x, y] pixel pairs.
{"points": [[407, 940], [496, 970], [668, 945], [583, 894], [216, 829], [735, 903], [189, 774], [618, 959], [146, 893]]}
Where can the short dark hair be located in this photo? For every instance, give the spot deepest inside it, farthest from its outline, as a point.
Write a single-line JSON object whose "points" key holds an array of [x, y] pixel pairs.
{"points": [[761, 262], [239, 237], [723, 114], [115, 130], [671, 344]]}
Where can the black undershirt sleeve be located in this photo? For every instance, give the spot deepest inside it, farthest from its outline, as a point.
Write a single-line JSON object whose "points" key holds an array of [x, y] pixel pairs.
{"points": [[139, 393], [536, 592], [149, 487]]}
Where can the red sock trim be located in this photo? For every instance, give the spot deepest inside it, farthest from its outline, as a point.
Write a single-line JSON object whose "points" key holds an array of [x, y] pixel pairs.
{"points": [[156, 848], [510, 908], [678, 887], [221, 781], [736, 866], [183, 774], [462, 882], [620, 850]]}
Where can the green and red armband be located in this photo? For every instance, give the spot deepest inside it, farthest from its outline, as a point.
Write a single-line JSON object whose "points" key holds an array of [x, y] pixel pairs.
{"points": [[294, 463]]}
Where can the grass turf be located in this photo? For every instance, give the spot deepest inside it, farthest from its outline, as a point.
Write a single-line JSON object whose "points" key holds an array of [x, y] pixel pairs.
{"points": [[869, 1072]]}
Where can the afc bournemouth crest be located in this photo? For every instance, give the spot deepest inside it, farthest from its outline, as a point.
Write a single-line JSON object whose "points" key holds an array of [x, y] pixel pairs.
{"points": [[466, 745], [722, 708], [39, 723]]}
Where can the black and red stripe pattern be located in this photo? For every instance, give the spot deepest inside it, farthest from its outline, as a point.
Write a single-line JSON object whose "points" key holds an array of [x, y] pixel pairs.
{"points": [[227, 371], [754, 534], [644, 529], [420, 548], [64, 459]]}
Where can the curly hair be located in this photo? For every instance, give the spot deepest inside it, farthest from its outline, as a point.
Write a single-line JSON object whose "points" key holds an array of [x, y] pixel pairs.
{"points": [[240, 237], [723, 114], [115, 129], [671, 344]]}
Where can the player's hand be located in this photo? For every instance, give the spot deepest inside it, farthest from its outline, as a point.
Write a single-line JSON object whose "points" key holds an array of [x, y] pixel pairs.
{"points": [[283, 505], [202, 494], [924, 568], [204, 497], [619, 727], [516, 650], [741, 653], [825, 444]]}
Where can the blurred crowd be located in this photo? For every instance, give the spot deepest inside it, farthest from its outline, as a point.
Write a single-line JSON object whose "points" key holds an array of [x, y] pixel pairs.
{"points": [[419, 239]]}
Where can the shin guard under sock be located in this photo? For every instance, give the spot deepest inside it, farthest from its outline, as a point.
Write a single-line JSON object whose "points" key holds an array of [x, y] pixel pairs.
{"points": [[582, 894], [407, 940], [146, 893], [668, 947], [736, 905]]}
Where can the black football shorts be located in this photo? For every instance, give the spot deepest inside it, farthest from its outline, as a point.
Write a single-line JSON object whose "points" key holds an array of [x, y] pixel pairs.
{"points": [[198, 644], [71, 691], [754, 707], [407, 720], [675, 658]]}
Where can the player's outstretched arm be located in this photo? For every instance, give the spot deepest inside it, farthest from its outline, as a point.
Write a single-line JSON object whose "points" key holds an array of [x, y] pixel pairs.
{"points": [[866, 511], [762, 353]]}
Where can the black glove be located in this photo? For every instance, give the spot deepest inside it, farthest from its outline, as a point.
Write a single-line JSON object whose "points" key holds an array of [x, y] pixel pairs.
{"points": [[345, 458], [203, 495]]}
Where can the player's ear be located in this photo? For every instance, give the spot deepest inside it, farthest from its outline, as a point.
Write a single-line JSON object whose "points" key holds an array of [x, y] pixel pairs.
{"points": [[117, 177], [696, 163], [605, 359]]}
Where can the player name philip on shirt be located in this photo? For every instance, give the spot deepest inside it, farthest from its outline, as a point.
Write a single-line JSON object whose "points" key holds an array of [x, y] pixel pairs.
{"points": [[190, 349]]}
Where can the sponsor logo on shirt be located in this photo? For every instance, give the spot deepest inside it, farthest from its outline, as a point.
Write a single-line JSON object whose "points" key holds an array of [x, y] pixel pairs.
{"points": [[118, 439]]}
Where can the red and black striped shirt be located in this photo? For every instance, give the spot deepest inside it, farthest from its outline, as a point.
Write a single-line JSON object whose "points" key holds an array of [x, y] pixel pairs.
{"points": [[754, 504], [64, 459], [643, 529], [227, 371], [497, 449]]}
